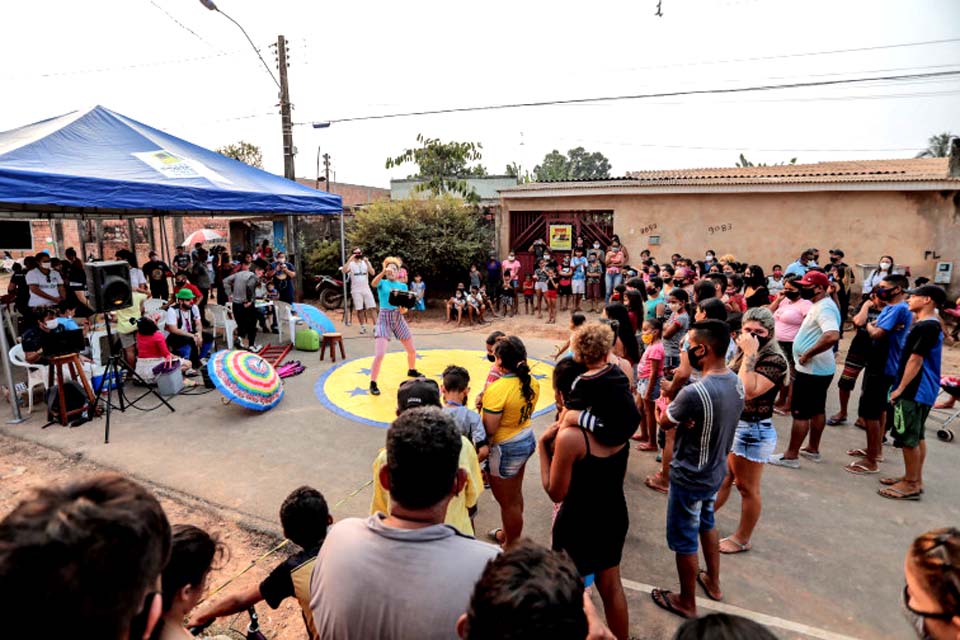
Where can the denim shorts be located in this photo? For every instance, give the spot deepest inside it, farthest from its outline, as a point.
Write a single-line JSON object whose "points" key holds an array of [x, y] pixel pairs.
{"points": [[755, 441], [689, 513], [642, 385], [540, 286], [671, 362], [508, 457]]}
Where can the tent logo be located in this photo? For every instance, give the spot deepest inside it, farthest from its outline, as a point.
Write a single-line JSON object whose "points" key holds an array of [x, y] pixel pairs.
{"points": [[171, 165]]}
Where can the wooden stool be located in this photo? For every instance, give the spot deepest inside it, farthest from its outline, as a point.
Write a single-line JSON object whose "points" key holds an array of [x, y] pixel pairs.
{"points": [[72, 361], [332, 340]]}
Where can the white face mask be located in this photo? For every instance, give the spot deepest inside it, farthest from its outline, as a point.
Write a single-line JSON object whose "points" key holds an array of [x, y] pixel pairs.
{"points": [[52, 324], [44, 265], [510, 257], [884, 265], [674, 306], [596, 245]]}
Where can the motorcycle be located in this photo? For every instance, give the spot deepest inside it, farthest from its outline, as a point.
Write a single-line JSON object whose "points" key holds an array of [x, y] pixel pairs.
{"points": [[329, 290]]}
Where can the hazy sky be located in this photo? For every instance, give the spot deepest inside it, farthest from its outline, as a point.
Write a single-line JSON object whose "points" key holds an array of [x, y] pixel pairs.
{"points": [[189, 71]]}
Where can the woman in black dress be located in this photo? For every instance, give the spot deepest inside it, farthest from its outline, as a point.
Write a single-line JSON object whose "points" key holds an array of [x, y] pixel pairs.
{"points": [[756, 293], [585, 475]]}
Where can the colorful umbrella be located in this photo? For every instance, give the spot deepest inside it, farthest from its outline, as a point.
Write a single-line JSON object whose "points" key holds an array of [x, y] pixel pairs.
{"points": [[245, 378], [203, 236], [315, 319]]}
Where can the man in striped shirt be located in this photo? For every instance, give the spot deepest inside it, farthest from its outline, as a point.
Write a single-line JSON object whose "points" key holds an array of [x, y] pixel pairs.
{"points": [[705, 415]]}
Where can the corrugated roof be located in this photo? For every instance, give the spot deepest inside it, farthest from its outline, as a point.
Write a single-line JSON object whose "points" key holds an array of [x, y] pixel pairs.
{"points": [[849, 171]]}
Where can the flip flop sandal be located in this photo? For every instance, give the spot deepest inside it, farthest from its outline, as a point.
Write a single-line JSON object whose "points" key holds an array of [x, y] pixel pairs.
{"points": [[741, 548], [646, 446], [900, 495], [703, 585], [809, 455], [861, 453], [661, 598], [833, 421], [647, 481], [858, 469], [781, 412]]}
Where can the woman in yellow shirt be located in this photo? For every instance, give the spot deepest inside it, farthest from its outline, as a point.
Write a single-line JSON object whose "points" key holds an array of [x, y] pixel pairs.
{"points": [[508, 405]]}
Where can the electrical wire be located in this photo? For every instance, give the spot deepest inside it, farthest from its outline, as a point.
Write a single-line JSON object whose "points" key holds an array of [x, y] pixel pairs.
{"points": [[180, 24], [644, 96]]}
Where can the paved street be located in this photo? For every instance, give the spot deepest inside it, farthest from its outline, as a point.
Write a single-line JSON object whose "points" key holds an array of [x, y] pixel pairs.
{"points": [[827, 554]]}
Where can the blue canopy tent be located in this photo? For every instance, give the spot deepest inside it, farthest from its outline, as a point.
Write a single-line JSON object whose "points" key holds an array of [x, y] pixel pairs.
{"points": [[99, 164]]}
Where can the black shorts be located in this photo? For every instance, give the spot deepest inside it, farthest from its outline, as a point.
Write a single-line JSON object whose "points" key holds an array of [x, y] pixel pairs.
{"points": [[809, 395], [873, 395]]}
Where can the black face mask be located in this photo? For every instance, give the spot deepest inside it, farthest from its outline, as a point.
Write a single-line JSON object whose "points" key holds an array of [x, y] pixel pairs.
{"points": [[762, 341], [792, 295], [834, 259], [694, 358], [491, 357], [807, 293]]}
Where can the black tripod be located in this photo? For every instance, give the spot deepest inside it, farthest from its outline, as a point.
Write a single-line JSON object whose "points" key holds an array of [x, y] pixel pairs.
{"points": [[113, 375]]}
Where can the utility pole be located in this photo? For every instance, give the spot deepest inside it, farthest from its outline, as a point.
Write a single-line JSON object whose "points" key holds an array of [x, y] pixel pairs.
{"points": [[289, 172]]}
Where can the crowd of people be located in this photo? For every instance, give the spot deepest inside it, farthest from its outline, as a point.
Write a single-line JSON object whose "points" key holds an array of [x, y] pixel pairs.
{"points": [[51, 294], [690, 360]]}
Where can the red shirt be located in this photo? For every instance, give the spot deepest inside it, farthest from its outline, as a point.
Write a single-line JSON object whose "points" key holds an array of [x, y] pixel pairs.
{"points": [[152, 346], [196, 292]]}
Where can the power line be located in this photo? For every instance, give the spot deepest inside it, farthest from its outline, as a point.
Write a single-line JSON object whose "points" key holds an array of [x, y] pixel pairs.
{"points": [[180, 24], [125, 67], [804, 54], [644, 96]]}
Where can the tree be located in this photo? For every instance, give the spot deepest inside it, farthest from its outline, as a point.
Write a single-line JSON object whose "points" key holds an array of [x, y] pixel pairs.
{"points": [[743, 162], [577, 164], [244, 152], [938, 146], [438, 237], [514, 170], [442, 166]]}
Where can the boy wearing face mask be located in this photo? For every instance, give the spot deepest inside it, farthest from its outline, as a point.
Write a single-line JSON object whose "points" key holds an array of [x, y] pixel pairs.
{"points": [[32, 339], [887, 335], [675, 327]]}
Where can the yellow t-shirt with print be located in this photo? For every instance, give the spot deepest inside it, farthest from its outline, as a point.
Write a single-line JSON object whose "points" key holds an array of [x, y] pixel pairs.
{"points": [[125, 315], [457, 510], [504, 396]]}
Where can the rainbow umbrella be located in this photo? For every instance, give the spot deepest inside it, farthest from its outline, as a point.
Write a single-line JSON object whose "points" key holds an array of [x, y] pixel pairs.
{"points": [[315, 319], [245, 378]]}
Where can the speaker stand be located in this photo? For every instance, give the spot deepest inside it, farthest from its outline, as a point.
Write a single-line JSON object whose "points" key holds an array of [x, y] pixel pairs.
{"points": [[114, 375]]}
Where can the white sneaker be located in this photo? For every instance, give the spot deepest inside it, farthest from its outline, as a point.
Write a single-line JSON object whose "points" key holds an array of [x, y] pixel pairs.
{"points": [[256, 348], [363, 328], [779, 461]]}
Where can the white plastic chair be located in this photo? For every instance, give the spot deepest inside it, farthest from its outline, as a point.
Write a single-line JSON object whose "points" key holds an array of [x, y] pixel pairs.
{"points": [[95, 350], [36, 375], [224, 319], [285, 316]]}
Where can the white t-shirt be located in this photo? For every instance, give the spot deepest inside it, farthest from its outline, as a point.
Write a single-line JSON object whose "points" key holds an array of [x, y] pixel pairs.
{"points": [[48, 283], [188, 321], [360, 274], [822, 317], [137, 279]]}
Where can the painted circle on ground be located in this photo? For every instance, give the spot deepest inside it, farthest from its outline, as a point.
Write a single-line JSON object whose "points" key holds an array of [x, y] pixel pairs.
{"points": [[344, 388]]}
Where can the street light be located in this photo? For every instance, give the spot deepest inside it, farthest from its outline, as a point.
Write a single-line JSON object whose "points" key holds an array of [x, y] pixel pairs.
{"points": [[209, 4], [316, 125]]}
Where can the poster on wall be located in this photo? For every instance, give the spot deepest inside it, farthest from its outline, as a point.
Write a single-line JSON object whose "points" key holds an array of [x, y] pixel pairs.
{"points": [[561, 237]]}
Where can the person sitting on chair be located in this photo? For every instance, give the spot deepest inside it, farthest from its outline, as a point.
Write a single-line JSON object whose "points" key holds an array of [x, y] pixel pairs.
{"points": [[184, 331], [32, 339], [152, 350]]}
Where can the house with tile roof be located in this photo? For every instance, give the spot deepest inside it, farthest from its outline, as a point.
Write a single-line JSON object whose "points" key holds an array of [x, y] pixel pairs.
{"points": [[907, 208]]}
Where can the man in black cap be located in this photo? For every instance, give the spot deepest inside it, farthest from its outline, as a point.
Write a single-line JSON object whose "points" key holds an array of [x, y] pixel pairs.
{"points": [[424, 392], [842, 274], [915, 391]]}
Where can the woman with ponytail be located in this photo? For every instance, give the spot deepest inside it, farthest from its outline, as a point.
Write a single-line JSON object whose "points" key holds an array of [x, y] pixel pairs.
{"points": [[763, 370], [508, 406], [931, 597]]}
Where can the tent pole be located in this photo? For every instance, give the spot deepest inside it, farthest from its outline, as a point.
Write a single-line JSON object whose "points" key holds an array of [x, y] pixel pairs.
{"points": [[99, 225], [8, 374], [151, 238], [343, 260]]}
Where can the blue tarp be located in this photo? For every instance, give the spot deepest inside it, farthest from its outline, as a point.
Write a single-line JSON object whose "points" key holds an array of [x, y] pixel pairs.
{"points": [[100, 159]]}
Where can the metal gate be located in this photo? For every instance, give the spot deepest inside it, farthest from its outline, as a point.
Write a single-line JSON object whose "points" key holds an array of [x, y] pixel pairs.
{"points": [[527, 226]]}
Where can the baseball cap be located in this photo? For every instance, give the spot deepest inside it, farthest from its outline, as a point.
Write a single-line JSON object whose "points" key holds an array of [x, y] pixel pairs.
{"points": [[935, 293], [185, 294], [419, 392], [814, 278], [837, 252]]}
